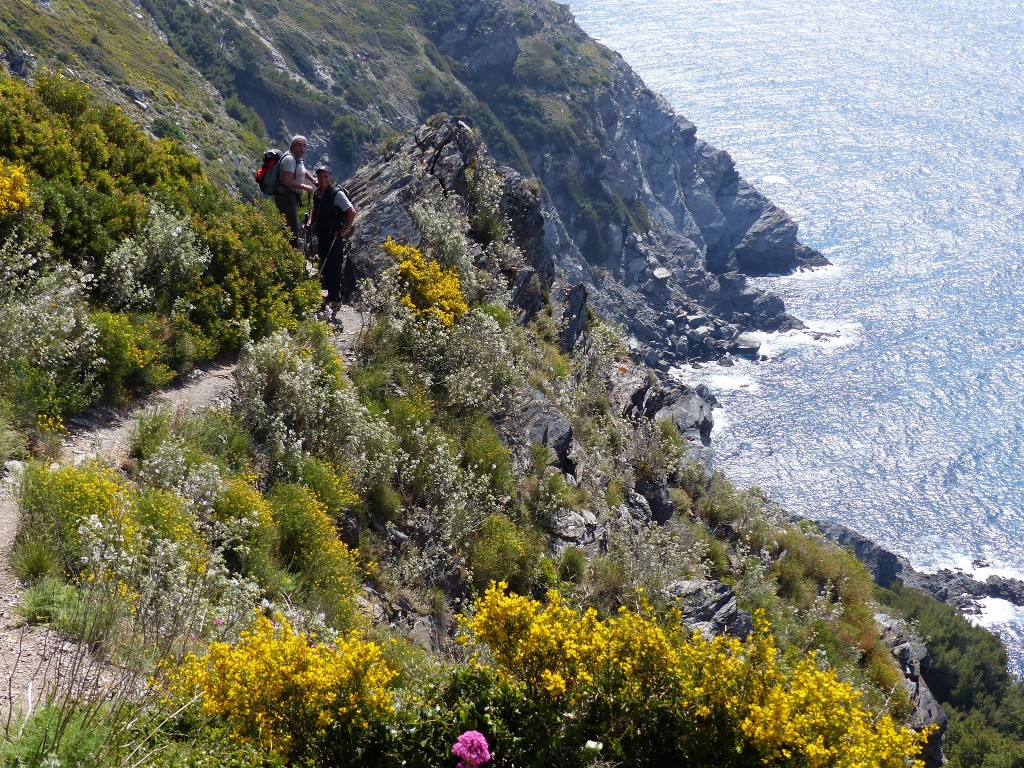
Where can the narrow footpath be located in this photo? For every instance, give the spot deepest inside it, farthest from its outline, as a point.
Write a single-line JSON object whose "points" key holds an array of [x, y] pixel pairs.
{"points": [[32, 656]]}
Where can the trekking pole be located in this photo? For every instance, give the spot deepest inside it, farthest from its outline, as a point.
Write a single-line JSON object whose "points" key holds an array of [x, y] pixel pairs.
{"points": [[328, 254]]}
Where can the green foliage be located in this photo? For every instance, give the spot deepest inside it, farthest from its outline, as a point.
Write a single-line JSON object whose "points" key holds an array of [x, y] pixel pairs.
{"points": [[165, 128], [55, 503], [34, 559], [47, 600], [309, 546], [130, 347], [151, 429], [351, 134], [12, 443], [247, 116], [81, 740], [505, 551], [484, 454], [333, 489], [572, 565]]}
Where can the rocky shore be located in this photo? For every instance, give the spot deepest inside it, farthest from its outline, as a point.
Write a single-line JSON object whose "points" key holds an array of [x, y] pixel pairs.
{"points": [[954, 587]]}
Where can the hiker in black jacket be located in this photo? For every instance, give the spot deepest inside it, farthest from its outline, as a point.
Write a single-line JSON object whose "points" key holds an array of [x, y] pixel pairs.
{"points": [[332, 217]]}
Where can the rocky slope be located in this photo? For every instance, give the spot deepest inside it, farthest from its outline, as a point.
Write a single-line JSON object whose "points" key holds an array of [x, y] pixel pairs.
{"points": [[681, 229]]}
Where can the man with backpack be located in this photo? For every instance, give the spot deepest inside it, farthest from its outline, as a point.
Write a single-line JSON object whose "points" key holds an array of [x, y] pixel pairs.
{"points": [[292, 183], [332, 217]]}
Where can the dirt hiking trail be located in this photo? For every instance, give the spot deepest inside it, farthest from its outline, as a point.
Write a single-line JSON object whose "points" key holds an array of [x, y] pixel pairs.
{"points": [[32, 657]]}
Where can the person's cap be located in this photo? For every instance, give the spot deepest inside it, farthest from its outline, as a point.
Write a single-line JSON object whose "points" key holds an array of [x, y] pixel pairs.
{"points": [[322, 167]]}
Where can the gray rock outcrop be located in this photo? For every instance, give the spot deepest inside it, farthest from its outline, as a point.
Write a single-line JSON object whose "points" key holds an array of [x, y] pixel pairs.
{"points": [[909, 649], [709, 607]]}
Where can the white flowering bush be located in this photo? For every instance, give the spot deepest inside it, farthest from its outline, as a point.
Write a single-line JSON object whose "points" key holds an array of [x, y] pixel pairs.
{"points": [[164, 259], [485, 190], [442, 226], [650, 556], [48, 360], [474, 365], [293, 395]]}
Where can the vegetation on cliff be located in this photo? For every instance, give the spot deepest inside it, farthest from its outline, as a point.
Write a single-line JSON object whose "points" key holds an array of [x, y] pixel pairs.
{"points": [[246, 589]]}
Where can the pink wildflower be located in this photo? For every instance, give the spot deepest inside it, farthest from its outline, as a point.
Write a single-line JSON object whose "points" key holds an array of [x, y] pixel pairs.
{"points": [[471, 749]]}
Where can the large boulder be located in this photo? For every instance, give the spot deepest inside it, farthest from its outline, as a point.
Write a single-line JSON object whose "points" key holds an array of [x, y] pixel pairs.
{"points": [[535, 420], [709, 607]]}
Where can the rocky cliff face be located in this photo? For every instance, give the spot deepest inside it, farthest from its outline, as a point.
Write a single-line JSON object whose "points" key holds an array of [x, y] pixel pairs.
{"points": [[669, 260]]}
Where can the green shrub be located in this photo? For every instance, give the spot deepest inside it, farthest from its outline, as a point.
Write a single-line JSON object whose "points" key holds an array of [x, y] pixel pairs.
{"points": [[218, 435], [351, 135], [572, 565], [49, 600], [165, 128], [56, 502], [721, 504], [484, 454], [34, 558], [293, 396], [249, 529], [384, 501], [333, 489], [12, 442], [505, 551], [132, 351], [151, 429], [309, 546]]}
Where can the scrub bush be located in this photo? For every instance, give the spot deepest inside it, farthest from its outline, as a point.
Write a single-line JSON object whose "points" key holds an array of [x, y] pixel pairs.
{"points": [[309, 546], [295, 399], [131, 349], [507, 552], [656, 696], [286, 691]]}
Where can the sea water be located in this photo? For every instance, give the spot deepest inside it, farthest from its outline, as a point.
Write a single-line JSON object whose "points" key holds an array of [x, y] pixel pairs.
{"points": [[893, 132]]}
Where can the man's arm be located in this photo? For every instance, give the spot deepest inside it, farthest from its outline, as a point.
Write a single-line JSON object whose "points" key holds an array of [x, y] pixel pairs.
{"points": [[350, 217], [288, 181]]}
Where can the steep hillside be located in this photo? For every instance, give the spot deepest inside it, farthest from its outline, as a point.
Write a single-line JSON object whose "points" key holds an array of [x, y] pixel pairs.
{"points": [[293, 578], [658, 224]]}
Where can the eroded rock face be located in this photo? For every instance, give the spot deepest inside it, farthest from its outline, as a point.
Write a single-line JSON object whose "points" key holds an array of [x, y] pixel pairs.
{"points": [[635, 394], [704, 228], [709, 607], [909, 649]]}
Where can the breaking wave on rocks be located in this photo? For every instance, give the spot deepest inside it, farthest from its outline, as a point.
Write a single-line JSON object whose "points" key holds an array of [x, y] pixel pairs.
{"points": [[892, 134]]}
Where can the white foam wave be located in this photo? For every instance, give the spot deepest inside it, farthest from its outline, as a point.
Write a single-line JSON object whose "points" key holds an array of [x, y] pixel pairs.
{"points": [[996, 612], [826, 335], [718, 378]]}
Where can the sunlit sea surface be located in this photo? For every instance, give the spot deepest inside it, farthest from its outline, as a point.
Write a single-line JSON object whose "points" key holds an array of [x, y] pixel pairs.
{"points": [[893, 132]]}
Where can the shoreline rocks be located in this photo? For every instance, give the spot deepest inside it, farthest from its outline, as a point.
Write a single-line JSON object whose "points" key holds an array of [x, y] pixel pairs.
{"points": [[954, 587]]}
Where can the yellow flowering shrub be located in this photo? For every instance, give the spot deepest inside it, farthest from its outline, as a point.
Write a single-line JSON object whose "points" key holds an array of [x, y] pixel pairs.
{"points": [[310, 546], [56, 502], [165, 515], [430, 289], [333, 488], [131, 350], [641, 686], [282, 690], [13, 189]]}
